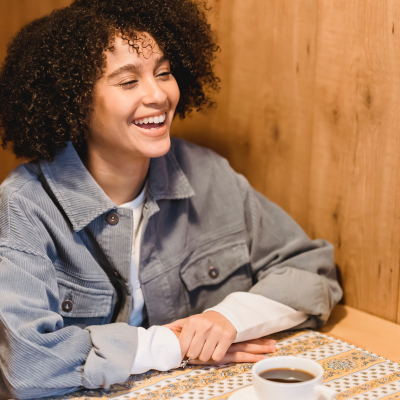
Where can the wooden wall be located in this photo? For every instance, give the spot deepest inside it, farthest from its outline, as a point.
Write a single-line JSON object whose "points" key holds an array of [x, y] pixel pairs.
{"points": [[308, 113]]}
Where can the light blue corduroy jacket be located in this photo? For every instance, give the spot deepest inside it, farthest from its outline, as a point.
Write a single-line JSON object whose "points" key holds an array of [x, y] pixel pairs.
{"points": [[65, 264]]}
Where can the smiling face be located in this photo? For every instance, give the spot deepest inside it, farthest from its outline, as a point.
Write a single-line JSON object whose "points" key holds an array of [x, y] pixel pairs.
{"points": [[133, 102]]}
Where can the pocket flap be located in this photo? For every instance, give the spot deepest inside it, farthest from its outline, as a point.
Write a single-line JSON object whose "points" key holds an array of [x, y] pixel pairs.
{"points": [[86, 302], [212, 268]]}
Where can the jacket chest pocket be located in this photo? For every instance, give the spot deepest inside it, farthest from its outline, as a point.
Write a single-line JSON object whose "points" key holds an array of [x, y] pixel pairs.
{"points": [[83, 306], [213, 274]]}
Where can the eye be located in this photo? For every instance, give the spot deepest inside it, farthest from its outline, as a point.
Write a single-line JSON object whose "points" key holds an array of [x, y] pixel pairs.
{"points": [[128, 85], [164, 75]]}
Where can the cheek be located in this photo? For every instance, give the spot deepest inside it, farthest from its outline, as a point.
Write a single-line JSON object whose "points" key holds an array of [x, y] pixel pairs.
{"points": [[174, 94], [114, 108], [105, 115]]}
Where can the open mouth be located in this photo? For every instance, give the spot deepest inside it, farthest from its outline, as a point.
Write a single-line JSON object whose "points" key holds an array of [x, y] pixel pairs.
{"points": [[152, 122]]}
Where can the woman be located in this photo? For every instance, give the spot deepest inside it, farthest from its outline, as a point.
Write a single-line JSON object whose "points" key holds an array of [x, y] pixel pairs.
{"points": [[120, 251]]}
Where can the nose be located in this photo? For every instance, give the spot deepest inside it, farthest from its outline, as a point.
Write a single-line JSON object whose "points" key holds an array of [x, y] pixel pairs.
{"points": [[153, 93]]}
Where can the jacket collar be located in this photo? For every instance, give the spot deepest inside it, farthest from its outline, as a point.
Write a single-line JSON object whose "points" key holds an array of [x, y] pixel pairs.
{"points": [[83, 200]]}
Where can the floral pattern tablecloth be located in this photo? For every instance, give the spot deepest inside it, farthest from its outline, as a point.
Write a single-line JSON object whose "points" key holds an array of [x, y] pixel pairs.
{"points": [[351, 371]]}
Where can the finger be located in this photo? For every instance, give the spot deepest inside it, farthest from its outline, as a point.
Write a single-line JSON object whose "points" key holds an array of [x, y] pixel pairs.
{"points": [[196, 345], [208, 349], [260, 341], [176, 324], [186, 337], [252, 348], [231, 357], [221, 349], [241, 356], [173, 327]]}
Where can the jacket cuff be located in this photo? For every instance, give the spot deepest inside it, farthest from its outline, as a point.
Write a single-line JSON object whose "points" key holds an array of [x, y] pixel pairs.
{"points": [[110, 359], [255, 316]]}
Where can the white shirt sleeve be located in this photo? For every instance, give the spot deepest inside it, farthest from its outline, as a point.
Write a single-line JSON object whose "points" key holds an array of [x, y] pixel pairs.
{"points": [[255, 316], [158, 348]]}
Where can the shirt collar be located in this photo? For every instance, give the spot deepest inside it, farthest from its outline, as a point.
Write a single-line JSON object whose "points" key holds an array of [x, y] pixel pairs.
{"points": [[137, 202], [83, 200]]}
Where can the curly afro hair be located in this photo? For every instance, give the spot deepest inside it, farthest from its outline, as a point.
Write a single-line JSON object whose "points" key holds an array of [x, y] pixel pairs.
{"points": [[52, 64]]}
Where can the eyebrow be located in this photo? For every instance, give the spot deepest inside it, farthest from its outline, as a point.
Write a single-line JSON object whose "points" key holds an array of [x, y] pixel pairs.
{"points": [[134, 67]]}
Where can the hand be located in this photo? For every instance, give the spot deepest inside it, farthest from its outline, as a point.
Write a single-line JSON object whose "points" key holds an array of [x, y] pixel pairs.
{"points": [[208, 337], [204, 336], [250, 351]]}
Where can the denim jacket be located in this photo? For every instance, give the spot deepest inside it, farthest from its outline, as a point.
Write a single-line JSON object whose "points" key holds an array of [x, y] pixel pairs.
{"points": [[65, 256]]}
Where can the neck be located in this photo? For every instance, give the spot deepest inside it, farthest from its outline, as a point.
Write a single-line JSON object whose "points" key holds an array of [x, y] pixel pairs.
{"points": [[122, 178]]}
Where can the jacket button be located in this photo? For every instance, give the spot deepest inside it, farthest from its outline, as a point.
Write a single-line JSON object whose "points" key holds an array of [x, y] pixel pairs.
{"points": [[213, 272], [112, 218], [67, 305]]}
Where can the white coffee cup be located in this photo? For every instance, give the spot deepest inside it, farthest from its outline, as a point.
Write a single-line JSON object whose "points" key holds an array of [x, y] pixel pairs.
{"points": [[307, 390]]}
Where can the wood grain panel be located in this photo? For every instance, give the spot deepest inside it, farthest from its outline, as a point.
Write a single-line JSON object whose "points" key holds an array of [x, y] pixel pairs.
{"points": [[13, 15], [355, 181], [263, 123], [313, 124]]}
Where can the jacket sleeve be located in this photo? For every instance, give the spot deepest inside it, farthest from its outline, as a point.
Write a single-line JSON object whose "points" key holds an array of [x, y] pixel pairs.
{"points": [[287, 266], [39, 356]]}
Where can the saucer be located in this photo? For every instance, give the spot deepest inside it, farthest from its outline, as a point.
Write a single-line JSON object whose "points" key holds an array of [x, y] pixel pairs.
{"points": [[246, 393]]}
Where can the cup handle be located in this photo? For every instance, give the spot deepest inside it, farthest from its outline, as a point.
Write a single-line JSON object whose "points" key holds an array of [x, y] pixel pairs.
{"points": [[324, 393]]}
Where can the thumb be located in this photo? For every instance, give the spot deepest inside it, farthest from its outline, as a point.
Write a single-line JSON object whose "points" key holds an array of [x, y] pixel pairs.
{"points": [[176, 325]]}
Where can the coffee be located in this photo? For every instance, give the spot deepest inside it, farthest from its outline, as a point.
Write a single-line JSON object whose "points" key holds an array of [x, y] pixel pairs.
{"points": [[286, 375]]}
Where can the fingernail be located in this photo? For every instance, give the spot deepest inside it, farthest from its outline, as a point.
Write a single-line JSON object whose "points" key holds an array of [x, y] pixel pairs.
{"points": [[265, 356], [273, 348]]}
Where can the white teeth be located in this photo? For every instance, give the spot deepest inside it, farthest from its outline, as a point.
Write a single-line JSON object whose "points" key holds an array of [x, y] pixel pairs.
{"points": [[151, 120], [152, 129]]}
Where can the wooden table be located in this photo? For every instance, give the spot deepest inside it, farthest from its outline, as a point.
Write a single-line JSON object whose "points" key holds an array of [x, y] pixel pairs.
{"points": [[364, 330]]}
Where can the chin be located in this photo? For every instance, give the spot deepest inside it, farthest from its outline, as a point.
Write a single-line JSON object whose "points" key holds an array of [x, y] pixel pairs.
{"points": [[158, 148]]}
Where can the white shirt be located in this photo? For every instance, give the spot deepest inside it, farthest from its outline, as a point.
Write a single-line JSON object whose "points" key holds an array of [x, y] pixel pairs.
{"points": [[252, 315], [136, 318]]}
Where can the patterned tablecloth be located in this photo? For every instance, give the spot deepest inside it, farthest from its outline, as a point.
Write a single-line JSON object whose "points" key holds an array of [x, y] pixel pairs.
{"points": [[353, 372]]}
